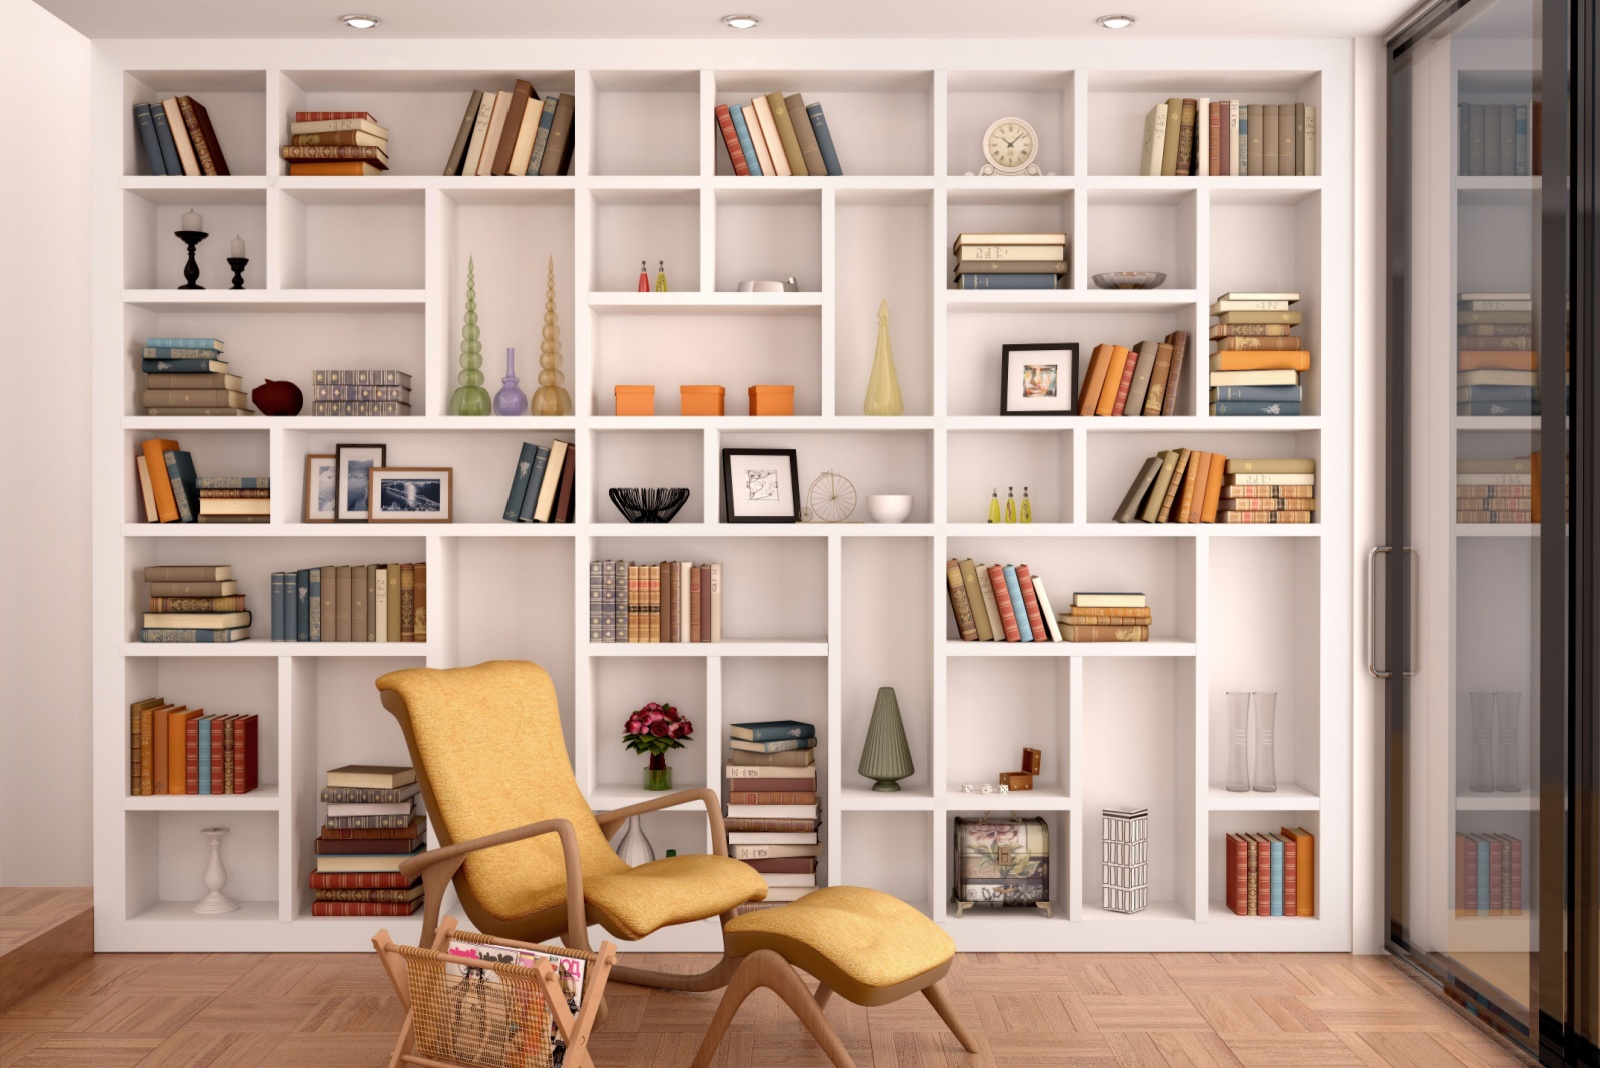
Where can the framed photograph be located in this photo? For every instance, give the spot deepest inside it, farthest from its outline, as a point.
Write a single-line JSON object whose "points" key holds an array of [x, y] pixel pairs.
{"points": [[760, 486], [1039, 379], [410, 495], [354, 466], [322, 484]]}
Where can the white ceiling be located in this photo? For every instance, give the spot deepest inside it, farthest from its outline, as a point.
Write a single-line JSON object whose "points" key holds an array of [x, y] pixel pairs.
{"points": [[1008, 19]]}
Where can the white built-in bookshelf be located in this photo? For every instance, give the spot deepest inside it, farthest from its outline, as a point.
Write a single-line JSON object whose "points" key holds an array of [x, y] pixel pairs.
{"points": [[371, 272]]}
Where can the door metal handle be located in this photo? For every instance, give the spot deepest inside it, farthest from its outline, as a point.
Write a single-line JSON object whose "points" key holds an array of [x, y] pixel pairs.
{"points": [[1372, 612]]}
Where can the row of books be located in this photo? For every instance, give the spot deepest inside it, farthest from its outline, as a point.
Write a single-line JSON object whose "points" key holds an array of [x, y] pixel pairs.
{"points": [[194, 604], [1011, 261], [372, 826], [1141, 379], [513, 132], [172, 492], [351, 603], [542, 484], [1256, 362], [1504, 139], [178, 138], [189, 376], [773, 806], [174, 749], [1271, 874], [1194, 486], [673, 601], [336, 143], [1008, 603], [1497, 368], [777, 135], [360, 391], [1201, 136], [1488, 874], [1498, 491]]}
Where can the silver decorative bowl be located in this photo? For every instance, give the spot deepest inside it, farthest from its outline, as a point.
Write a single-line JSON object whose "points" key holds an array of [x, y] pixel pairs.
{"points": [[1129, 279]]}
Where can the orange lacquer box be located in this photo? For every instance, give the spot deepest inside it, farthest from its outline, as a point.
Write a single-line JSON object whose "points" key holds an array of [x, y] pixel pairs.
{"points": [[771, 400], [636, 400], [701, 400]]}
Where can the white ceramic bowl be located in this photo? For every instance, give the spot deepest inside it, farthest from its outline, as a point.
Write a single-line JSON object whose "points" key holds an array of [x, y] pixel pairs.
{"points": [[889, 507]]}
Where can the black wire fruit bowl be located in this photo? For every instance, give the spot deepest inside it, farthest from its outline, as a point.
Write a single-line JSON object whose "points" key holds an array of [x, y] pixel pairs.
{"points": [[653, 504]]}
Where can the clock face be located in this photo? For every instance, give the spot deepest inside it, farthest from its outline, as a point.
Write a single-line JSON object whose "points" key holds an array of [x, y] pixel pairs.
{"points": [[1010, 144]]}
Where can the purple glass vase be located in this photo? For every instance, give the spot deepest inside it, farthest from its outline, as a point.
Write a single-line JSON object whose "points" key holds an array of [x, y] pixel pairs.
{"points": [[510, 400]]}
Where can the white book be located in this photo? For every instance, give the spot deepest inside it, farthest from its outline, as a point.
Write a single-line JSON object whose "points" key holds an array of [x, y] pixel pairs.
{"points": [[766, 852], [770, 771], [716, 602], [497, 126], [522, 148], [365, 126], [1045, 609], [1108, 600], [1202, 136], [1494, 480], [769, 131], [146, 490], [544, 504], [789, 878], [990, 606], [1155, 139], [1233, 137], [1309, 148], [1235, 295], [480, 131], [370, 808], [1267, 478], [346, 862], [772, 812], [1495, 296], [1221, 306], [180, 137], [686, 602], [1273, 377], [752, 123], [772, 838], [381, 605], [788, 893]]}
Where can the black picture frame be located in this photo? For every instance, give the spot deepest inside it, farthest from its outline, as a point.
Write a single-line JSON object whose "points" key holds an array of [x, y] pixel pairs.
{"points": [[1065, 387], [729, 509], [343, 513]]}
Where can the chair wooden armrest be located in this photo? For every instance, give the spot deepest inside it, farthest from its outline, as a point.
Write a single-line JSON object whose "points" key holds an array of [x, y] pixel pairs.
{"points": [[438, 866], [719, 836]]}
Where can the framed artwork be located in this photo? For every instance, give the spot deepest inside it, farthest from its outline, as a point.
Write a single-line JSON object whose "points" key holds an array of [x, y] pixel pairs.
{"points": [[760, 486], [322, 486], [410, 495], [1039, 379], [354, 467]]}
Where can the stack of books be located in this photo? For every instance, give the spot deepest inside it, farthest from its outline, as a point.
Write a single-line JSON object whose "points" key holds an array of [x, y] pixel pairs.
{"points": [[189, 376], [1497, 367], [1011, 261], [180, 750], [360, 391], [353, 603], [235, 498], [513, 132], [673, 601], [1497, 491], [773, 810], [336, 143], [1141, 379], [778, 135], [1270, 874], [178, 138], [194, 603], [541, 485], [1256, 362], [1503, 139], [1488, 874], [999, 603], [1194, 486], [373, 825], [1200, 136], [1106, 617]]}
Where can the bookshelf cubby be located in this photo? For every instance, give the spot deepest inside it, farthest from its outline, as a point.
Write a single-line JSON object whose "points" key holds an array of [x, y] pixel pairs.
{"points": [[372, 272]]}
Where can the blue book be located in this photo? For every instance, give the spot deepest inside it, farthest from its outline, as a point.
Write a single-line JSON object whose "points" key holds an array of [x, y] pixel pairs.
{"points": [[1244, 140], [819, 126], [1529, 407], [278, 614], [772, 730], [1255, 393], [1483, 874], [1496, 393], [180, 636], [181, 366], [1521, 157], [1256, 407], [302, 605], [745, 144], [203, 746], [519, 481], [171, 164], [209, 343], [1277, 874], [147, 138], [535, 478], [1008, 281], [782, 745], [180, 471], [1014, 591], [547, 116], [314, 602]]}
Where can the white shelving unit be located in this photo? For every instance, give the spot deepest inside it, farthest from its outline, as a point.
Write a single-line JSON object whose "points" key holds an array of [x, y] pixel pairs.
{"points": [[818, 617]]}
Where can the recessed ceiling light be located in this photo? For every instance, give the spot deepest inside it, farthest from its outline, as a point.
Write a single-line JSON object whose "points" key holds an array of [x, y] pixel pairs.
{"points": [[741, 22], [1116, 22], [359, 22]]}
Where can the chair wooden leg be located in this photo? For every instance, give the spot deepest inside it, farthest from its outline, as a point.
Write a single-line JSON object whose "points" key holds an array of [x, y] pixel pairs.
{"points": [[764, 968], [712, 979], [941, 1005]]}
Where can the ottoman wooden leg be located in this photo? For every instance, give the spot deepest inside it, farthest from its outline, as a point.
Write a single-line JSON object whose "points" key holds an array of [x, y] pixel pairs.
{"points": [[764, 968], [941, 1005], [824, 995]]}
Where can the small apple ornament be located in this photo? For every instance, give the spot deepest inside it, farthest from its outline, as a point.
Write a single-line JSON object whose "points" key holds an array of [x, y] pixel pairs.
{"points": [[277, 398]]}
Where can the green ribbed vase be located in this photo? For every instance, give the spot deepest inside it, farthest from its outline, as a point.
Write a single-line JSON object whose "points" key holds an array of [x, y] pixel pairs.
{"points": [[887, 755]]}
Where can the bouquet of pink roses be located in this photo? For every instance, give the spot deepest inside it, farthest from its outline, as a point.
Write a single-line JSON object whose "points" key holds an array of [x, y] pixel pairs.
{"points": [[655, 728]]}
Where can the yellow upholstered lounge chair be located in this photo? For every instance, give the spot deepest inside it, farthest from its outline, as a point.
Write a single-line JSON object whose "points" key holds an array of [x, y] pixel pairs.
{"points": [[489, 754]]}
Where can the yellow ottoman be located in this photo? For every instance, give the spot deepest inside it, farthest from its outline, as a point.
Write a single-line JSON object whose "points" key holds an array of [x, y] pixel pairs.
{"points": [[866, 946]]}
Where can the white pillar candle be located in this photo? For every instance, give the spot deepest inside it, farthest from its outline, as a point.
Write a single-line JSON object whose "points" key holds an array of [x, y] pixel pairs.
{"points": [[236, 250], [192, 221]]}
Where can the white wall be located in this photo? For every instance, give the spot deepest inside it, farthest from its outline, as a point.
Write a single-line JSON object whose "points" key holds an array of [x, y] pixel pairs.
{"points": [[45, 788]]}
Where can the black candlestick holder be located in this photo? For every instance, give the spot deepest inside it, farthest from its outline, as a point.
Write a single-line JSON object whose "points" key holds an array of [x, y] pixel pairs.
{"points": [[237, 263], [191, 270]]}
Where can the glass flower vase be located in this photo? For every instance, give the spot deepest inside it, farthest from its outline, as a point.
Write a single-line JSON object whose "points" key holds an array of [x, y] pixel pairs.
{"points": [[1265, 777], [1508, 742], [657, 776], [1480, 778], [1238, 742]]}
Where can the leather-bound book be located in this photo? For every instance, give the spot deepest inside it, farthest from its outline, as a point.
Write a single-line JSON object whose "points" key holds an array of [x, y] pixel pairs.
{"points": [[959, 604], [421, 602], [452, 163], [516, 109], [558, 149], [787, 136], [491, 137], [810, 150], [1179, 340]]}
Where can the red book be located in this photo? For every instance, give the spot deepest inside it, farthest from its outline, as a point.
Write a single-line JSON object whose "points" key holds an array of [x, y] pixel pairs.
{"points": [[758, 797], [771, 786], [1472, 876], [786, 865], [216, 753], [361, 880], [229, 754], [191, 756], [1125, 382], [1237, 875], [247, 746], [1496, 873], [322, 846], [730, 140], [1030, 602], [1516, 877], [1290, 878], [1002, 601], [1461, 874], [417, 828], [1263, 875], [324, 116], [705, 602], [364, 908], [1252, 876], [563, 509]]}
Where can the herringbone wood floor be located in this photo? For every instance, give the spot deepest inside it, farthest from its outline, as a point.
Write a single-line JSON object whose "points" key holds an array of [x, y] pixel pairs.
{"points": [[1029, 1011]]}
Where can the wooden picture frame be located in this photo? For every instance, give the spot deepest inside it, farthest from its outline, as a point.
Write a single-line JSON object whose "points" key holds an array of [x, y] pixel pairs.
{"points": [[765, 493], [321, 489], [1039, 379], [353, 465], [428, 495]]}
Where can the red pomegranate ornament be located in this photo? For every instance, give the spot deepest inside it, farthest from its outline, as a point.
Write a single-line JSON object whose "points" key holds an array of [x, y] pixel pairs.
{"points": [[278, 398]]}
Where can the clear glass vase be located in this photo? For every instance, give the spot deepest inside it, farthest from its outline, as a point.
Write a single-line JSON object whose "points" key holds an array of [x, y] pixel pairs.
{"points": [[1480, 778], [1508, 742], [1265, 777], [657, 776], [1238, 742]]}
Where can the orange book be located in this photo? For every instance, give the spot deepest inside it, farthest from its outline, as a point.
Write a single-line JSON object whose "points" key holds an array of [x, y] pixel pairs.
{"points": [[1124, 386], [1202, 477], [1260, 360], [1198, 462], [158, 750], [1208, 511], [177, 752], [1496, 360], [1108, 390], [160, 484], [1305, 871], [335, 167], [1093, 379]]}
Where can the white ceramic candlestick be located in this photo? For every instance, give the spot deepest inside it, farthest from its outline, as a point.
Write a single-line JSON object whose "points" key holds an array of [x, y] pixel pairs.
{"points": [[215, 901]]}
